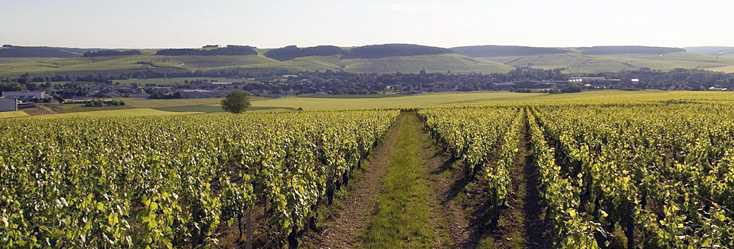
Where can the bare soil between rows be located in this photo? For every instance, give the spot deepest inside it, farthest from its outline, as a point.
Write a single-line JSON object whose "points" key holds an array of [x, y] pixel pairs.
{"points": [[345, 222]]}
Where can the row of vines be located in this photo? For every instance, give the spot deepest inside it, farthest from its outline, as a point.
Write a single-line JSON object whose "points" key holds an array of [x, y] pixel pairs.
{"points": [[172, 182], [654, 175], [660, 173]]}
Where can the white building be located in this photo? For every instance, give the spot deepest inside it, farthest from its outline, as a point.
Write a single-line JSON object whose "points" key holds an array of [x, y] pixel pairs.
{"points": [[8, 105], [25, 95]]}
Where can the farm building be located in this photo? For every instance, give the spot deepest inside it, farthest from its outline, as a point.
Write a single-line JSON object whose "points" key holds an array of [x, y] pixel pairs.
{"points": [[25, 95], [592, 80], [8, 105], [202, 93], [719, 89], [78, 99]]}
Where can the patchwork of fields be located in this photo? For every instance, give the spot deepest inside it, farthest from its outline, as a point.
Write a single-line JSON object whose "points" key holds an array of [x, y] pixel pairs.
{"points": [[572, 62]]}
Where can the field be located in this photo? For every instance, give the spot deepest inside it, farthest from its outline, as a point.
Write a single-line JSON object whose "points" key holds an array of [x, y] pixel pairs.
{"points": [[14, 114], [286, 104], [114, 113], [82, 66], [581, 63], [367, 102], [431, 63], [599, 169], [442, 63], [347, 102], [726, 69]]}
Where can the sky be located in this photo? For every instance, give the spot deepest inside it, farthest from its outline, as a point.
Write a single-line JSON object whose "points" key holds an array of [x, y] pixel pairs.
{"points": [[273, 23]]}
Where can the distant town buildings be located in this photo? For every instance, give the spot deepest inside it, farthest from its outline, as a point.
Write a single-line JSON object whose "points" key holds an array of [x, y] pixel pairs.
{"points": [[8, 105], [25, 95], [592, 80], [718, 89]]}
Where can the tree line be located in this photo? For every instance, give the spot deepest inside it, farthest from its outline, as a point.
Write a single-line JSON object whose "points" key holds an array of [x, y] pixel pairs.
{"points": [[228, 50], [111, 53]]}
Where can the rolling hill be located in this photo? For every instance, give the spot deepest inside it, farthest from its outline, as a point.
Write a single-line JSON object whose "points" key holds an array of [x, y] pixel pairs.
{"points": [[599, 58], [583, 63], [431, 63], [711, 50], [387, 58], [495, 51]]}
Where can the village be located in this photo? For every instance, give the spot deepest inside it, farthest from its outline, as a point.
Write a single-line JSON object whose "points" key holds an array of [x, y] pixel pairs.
{"points": [[113, 92]]}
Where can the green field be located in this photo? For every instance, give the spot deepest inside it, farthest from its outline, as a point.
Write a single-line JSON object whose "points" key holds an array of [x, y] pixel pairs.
{"points": [[726, 69], [421, 100], [135, 107], [179, 106], [431, 63], [82, 66], [115, 113], [582, 63], [609, 97], [69, 108], [572, 61], [133, 103], [14, 114]]}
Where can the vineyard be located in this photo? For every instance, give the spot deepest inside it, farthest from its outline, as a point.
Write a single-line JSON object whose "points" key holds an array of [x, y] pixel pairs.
{"points": [[615, 175], [169, 182], [622, 175]]}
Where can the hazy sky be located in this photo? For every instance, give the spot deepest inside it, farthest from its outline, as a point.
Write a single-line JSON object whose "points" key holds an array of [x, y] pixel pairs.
{"points": [[272, 23]]}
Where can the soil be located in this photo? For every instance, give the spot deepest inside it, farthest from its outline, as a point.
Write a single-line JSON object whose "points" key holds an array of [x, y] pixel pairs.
{"points": [[347, 221], [447, 180], [521, 223], [460, 210]]}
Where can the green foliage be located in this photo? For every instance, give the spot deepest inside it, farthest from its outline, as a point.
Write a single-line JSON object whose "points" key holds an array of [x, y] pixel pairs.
{"points": [[236, 101], [402, 216], [485, 139], [660, 170], [170, 181], [651, 175]]}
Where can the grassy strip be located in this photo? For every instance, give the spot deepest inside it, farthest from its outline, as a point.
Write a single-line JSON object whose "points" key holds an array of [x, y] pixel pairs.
{"points": [[403, 216], [14, 114]]}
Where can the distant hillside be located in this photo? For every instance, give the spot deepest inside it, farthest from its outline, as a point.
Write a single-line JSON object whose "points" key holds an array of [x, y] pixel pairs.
{"points": [[10, 51], [229, 50], [586, 63], [387, 58], [391, 50], [443, 63], [629, 50], [111, 53], [711, 50], [292, 52], [495, 51]]}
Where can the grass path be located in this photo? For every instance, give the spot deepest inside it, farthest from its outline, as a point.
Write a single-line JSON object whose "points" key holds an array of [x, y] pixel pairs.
{"points": [[350, 214], [411, 195], [405, 216]]}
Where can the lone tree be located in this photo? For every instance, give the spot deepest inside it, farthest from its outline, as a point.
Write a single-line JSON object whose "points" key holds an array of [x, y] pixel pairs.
{"points": [[236, 101]]}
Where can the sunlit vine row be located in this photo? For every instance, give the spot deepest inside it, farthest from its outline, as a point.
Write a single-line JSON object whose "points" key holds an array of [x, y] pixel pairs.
{"points": [[165, 182]]}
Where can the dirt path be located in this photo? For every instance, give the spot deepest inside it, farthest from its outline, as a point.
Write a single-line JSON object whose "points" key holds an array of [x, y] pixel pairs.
{"points": [[351, 216], [411, 195], [521, 224], [45, 108], [448, 181]]}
